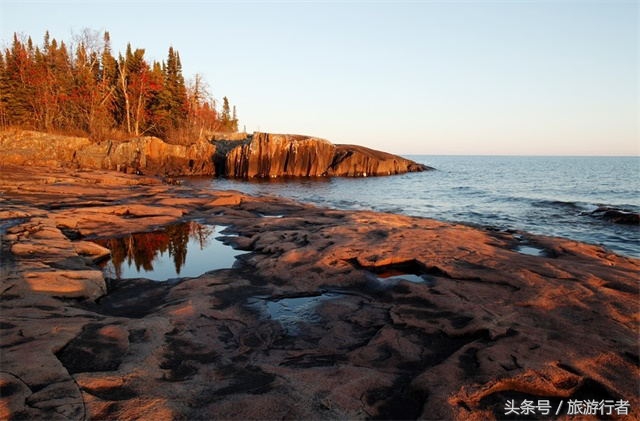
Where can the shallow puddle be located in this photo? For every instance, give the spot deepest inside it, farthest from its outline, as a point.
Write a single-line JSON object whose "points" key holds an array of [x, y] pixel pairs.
{"points": [[292, 312], [531, 251], [187, 249], [264, 215], [394, 276]]}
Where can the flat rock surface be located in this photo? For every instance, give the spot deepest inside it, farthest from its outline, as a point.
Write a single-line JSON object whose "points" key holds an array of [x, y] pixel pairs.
{"points": [[329, 314]]}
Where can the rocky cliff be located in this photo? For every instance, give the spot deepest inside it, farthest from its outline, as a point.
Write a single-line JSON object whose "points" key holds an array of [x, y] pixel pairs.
{"points": [[276, 155], [268, 155], [263, 155]]}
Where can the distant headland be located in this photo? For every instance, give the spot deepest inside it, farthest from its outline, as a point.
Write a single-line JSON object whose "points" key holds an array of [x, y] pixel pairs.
{"points": [[128, 114]]}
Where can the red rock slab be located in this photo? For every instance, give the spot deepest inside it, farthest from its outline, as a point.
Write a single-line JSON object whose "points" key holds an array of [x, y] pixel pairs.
{"points": [[311, 324]]}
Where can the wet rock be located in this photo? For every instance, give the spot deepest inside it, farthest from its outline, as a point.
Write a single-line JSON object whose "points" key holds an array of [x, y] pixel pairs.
{"points": [[617, 216]]}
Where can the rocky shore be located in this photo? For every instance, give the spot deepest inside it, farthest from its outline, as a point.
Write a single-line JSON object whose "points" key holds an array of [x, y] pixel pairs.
{"points": [[328, 314], [262, 155]]}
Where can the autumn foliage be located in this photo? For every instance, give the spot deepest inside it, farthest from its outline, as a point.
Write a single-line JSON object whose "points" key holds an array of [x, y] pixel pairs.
{"points": [[85, 89]]}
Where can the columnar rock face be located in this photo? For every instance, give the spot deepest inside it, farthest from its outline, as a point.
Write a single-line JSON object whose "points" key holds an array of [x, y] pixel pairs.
{"points": [[269, 155], [275, 155], [148, 155]]}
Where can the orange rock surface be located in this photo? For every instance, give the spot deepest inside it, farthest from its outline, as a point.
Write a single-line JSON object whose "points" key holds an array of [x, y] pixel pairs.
{"points": [[330, 314]]}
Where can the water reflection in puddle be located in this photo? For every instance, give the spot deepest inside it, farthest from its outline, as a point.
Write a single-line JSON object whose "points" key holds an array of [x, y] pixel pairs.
{"points": [[292, 312], [187, 249], [531, 251], [393, 277], [264, 215]]}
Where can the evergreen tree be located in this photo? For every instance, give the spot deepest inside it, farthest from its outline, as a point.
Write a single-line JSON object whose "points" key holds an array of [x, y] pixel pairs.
{"points": [[157, 108], [234, 120], [226, 114], [175, 90]]}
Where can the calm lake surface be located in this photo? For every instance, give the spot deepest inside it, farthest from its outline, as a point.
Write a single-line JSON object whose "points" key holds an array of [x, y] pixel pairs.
{"points": [[542, 195]]}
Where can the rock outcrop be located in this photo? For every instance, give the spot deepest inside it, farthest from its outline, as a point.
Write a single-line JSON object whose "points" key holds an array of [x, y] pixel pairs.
{"points": [[268, 155], [147, 155], [329, 315], [616, 215], [262, 155], [358, 161]]}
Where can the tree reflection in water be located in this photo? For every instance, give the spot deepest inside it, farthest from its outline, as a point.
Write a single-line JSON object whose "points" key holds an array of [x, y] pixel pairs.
{"points": [[142, 249]]}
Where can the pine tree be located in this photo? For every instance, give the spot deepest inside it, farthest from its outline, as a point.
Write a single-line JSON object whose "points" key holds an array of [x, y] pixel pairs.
{"points": [[58, 84], [18, 98], [226, 116], [176, 92], [156, 107], [234, 120]]}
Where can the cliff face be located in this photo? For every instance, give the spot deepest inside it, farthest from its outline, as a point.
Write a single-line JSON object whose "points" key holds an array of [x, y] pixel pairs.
{"points": [[148, 155], [264, 155], [273, 155]]}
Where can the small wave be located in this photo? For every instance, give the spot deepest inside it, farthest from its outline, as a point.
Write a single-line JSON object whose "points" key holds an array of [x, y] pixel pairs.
{"points": [[577, 206]]}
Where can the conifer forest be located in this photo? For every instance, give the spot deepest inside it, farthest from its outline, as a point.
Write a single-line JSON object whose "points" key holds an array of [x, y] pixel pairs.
{"points": [[82, 88]]}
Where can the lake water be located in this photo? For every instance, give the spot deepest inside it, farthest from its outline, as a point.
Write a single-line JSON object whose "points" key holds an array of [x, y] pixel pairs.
{"points": [[542, 195]]}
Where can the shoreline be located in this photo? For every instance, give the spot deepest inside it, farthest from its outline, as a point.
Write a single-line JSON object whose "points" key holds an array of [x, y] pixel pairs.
{"points": [[491, 324], [451, 194]]}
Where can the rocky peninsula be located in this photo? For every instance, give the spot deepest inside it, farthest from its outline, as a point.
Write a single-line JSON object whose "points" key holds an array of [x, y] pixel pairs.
{"points": [[400, 317], [262, 155]]}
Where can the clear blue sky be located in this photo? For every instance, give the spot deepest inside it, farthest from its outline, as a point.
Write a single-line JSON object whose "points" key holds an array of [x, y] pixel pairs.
{"points": [[434, 77]]}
